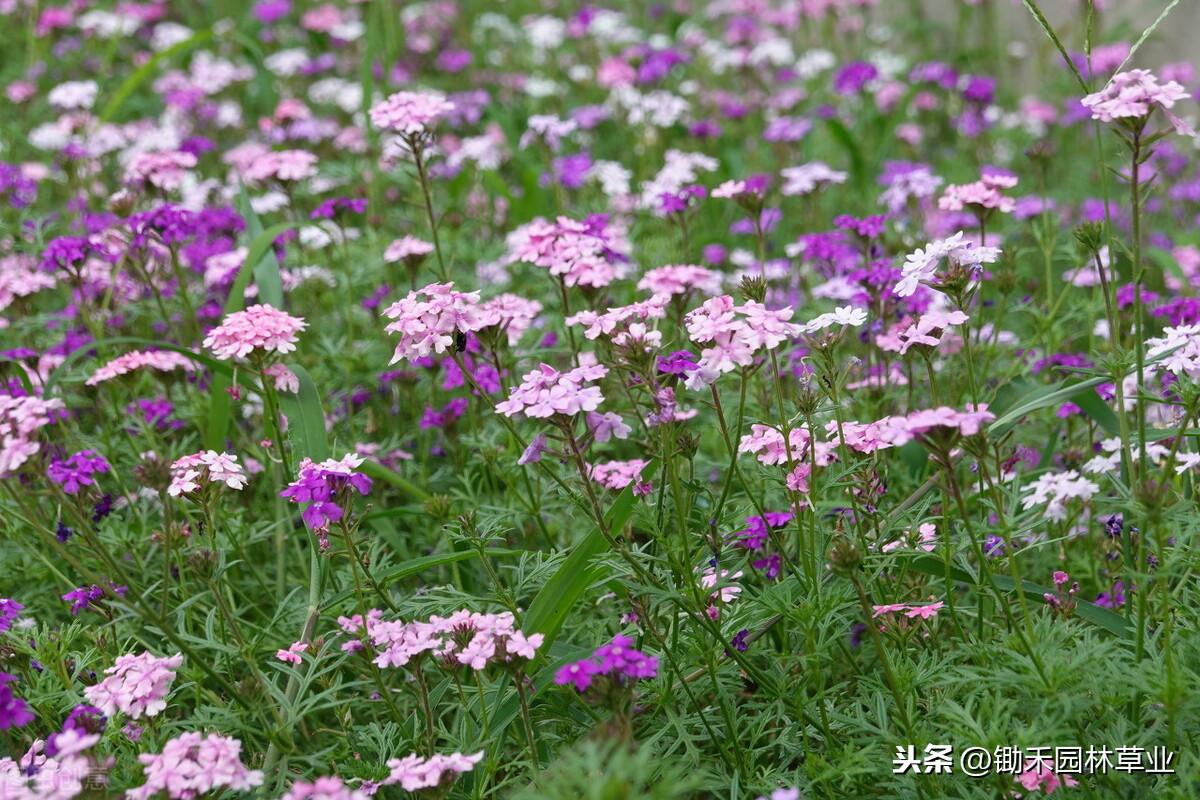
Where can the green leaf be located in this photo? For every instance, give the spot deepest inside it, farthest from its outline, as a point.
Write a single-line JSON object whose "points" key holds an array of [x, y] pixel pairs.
{"points": [[306, 417], [262, 257], [416, 566], [558, 596], [147, 70], [1099, 616], [1043, 398], [263, 262], [846, 139], [377, 471], [259, 258]]}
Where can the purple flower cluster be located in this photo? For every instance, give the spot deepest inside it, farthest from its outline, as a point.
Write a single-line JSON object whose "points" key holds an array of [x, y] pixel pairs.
{"points": [[322, 485], [16, 187], [77, 471], [618, 660], [339, 206], [85, 596], [9, 611], [758, 529], [14, 712]]}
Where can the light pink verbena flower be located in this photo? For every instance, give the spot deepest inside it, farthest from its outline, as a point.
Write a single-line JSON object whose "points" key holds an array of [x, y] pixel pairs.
{"points": [[734, 334], [1132, 95], [163, 170], [428, 319], [190, 473], [137, 685], [20, 277], [895, 431], [192, 765], [929, 330], [259, 329], [616, 474], [465, 638], [161, 360], [545, 392], [281, 165], [678, 279], [766, 445], [985, 193], [406, 248], [327, 788], [410, 113], [20, 419], [414, 772], [592, 253], [513, 313]]}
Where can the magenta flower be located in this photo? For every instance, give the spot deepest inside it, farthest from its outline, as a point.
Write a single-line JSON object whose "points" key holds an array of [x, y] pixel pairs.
{"points": [[325, 488], [77, 471], [14, 712], [618, 660]]}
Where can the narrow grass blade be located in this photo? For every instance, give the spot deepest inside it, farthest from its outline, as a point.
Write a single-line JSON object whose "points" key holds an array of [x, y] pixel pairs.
{"points": [[146, 71]]}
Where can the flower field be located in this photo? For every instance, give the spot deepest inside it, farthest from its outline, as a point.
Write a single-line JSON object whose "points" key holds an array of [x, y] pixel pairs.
{"points": [[750, 399]]}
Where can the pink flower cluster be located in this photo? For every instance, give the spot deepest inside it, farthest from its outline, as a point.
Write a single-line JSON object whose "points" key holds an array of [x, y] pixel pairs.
{"points": [[327, 788], [1132, 95], [910, 610], [20, 277], [191, 472], [428, 319], [545, 392], [592, 253], [137, 685], [161, 360], [984, 194], [281, 165], [469, 638], [899, 430], [414, 772], [162, 170], [630, 319], [260, 328], [680, 279], [512, 313], [410, 113], [929, 330], [192, 764], [766, 444], [41, 776], [20, 419], [735, 333], [616, 474], [410, 247]]}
